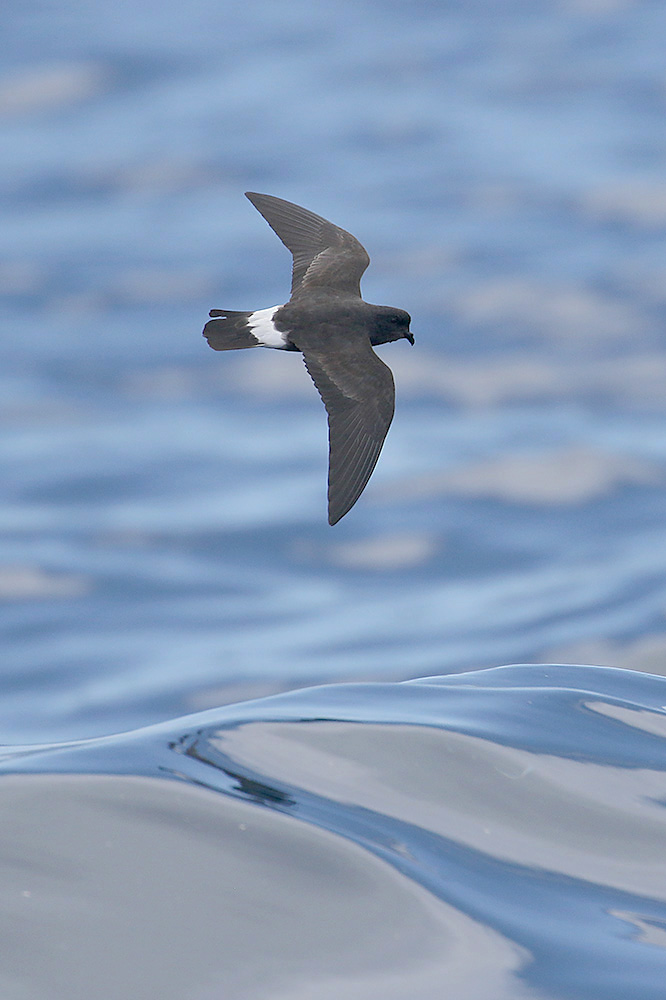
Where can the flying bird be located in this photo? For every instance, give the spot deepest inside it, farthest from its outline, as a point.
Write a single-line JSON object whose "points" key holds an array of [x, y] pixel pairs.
{"points": [[329, 323]]}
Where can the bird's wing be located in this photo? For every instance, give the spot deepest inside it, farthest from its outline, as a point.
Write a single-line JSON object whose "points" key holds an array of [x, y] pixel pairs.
{"points": [[325, 256], [359, 395]]}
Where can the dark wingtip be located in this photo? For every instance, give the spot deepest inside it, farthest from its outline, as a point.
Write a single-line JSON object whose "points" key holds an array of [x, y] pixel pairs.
{"points": [[335, 515]]}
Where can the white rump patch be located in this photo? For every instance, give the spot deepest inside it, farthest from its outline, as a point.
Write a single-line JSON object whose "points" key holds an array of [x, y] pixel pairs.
{"points": [[262, 327]]}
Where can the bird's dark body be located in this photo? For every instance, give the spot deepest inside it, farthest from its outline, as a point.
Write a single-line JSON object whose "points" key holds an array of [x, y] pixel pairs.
{"points": [[328, 321], [326, 315]]}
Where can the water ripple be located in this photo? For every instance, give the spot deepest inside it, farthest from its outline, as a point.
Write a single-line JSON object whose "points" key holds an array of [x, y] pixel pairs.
{"points": [[499, 833]]}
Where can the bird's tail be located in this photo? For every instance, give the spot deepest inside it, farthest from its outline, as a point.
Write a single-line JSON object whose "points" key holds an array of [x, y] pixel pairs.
{"points": [[229, 331]]}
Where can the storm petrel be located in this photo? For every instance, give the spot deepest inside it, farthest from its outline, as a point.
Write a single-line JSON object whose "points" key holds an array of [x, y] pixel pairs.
{"points": [[328, 321]]}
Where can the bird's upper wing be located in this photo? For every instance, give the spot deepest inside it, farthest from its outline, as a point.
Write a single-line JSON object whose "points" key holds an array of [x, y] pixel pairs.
{"points": [[359, 395], [325, 256]]}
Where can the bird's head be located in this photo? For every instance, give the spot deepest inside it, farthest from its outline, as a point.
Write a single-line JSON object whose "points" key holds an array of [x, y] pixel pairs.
{"points": [[393, 324]]}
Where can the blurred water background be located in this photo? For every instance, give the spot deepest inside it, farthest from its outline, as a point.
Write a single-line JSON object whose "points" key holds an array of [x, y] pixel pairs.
{"points": [[163, 543], [163, 538]]}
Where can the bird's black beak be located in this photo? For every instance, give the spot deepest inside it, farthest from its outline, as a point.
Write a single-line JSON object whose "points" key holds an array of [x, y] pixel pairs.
{"points": [[410, 338]]}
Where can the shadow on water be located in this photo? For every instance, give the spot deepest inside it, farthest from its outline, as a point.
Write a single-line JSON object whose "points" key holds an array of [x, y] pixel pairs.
{"points": [[493, 834]]}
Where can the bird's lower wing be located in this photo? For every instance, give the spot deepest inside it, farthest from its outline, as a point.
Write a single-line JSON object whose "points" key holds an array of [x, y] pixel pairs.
{"points": [[359, 395]]}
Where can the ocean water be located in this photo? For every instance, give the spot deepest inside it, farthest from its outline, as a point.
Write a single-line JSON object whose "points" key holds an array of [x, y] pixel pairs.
{"points": [[498, 833], [164, 549]]}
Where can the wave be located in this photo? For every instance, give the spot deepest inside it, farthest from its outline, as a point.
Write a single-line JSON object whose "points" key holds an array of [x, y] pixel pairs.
{"points": [[494, 834]]}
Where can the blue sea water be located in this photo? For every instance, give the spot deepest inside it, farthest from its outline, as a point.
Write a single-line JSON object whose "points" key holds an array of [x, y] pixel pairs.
{"points": [[163, 540], [498, 833]]}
